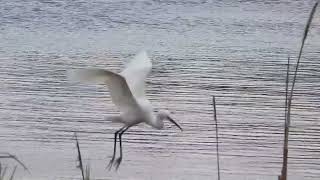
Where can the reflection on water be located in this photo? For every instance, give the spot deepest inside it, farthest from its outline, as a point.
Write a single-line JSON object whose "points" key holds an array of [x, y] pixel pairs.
{"points": [[236, 51]]}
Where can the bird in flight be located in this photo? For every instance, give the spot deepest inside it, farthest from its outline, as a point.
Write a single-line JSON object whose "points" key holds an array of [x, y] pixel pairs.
{"points": [[127, 90]]}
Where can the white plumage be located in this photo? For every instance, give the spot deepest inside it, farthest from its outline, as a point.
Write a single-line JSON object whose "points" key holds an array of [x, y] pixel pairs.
{"points": [[127, 91]]}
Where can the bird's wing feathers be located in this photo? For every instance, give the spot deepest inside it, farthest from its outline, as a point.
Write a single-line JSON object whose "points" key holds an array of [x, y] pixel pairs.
{"points": [[117, 85], [136, 72]]}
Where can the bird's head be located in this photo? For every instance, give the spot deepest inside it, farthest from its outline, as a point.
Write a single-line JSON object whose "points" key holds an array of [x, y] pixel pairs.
{"points": [[165, 115]]}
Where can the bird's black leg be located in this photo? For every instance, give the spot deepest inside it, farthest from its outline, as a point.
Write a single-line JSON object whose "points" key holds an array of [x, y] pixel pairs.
{"points": [[120, 158], [114, 147]]}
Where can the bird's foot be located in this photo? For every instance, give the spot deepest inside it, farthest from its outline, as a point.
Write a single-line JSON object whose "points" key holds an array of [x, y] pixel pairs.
{"points": [[118, 162], [110, 164]]}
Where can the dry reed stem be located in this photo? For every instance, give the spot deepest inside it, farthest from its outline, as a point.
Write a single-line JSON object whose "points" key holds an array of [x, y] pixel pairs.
{"points": [[288, 104], [11, 156], [79, 157], [217, 137]]}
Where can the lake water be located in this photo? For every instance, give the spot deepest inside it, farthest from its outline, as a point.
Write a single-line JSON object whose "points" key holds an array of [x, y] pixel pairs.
{"points": [[235, 50]]}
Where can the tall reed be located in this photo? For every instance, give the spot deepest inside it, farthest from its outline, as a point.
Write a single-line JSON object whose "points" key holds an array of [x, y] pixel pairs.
{"points": [[217, 134], [288, 102]]}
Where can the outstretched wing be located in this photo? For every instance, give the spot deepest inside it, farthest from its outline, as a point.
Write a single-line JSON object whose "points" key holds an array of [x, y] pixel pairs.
{"points": [[136, 73], [121, 94]]}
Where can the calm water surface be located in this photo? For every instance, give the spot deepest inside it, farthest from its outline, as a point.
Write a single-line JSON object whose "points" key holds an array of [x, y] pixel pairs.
{"points": [[234, 50]]}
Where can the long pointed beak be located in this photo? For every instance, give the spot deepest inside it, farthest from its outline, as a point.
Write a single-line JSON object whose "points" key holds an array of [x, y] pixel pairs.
{"points": [[175, 123]]}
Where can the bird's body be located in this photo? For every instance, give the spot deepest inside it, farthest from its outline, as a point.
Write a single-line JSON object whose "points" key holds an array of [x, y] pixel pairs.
{"points": [[143, 114], [127, 91]]}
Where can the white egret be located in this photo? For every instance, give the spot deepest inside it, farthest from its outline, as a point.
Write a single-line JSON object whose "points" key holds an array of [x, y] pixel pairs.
{"points": [[127, 91]]}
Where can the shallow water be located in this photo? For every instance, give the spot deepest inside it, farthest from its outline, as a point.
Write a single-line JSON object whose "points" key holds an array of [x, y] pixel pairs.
{"points": [[236, 51]]}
